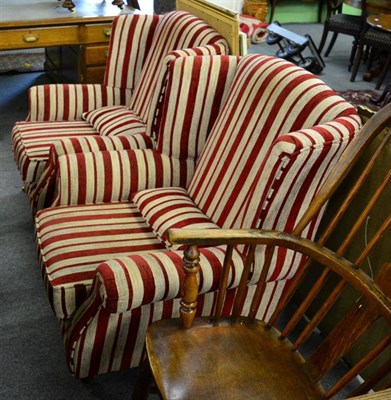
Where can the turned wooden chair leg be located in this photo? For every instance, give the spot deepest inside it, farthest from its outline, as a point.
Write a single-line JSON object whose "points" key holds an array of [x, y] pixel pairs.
{"points": [[144, 382]]}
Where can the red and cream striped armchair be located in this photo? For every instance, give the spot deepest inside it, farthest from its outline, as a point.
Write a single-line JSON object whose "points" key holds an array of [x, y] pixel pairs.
{"points": [[121, 113], [105, 259]]}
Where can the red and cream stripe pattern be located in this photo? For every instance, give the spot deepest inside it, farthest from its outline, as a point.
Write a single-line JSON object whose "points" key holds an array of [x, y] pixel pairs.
{"points": [[146, 278], [195, 90], [67, 102], [115, 121], [41, 193], [110, 176], [268, 98], [73, 241], [158, 97], [166, 208], [189, 126], [130, 42], [177, 30], [31, 143]]}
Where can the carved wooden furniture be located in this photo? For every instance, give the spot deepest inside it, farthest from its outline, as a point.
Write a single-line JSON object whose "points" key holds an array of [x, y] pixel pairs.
{"points": [[105, 259], [76, 44], [229, 355], [342, 23]]}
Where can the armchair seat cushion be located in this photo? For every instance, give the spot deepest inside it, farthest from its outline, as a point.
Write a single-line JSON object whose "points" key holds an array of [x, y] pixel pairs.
{"points": [[73, 241], [32, 142], [172, 207], [115, 121]]}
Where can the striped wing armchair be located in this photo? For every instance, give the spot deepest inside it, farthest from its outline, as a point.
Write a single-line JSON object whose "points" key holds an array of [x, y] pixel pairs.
{"points": [[106, 262], [121, 113]]}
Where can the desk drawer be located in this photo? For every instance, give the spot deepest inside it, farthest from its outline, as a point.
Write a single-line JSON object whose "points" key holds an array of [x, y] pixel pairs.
{"points": [[95, 33], [92, 75], [96, 55], [40, 37]]}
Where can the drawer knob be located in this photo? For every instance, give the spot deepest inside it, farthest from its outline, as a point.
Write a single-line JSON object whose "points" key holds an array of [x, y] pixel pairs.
{"points": [[107, 32], [30, 38]]}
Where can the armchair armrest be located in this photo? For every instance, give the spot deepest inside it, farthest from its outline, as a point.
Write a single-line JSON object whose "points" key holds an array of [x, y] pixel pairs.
{"points": [[130, 282], [42, 194], [67, 102], [110, 176]]}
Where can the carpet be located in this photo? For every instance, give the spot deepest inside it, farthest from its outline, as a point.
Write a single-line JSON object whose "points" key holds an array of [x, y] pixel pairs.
{"points": [[22, 62], [361, 98]]}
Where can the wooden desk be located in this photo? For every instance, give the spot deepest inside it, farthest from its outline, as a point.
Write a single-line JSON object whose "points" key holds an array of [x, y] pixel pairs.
{"points": [[372, 6], [75, 43], [380, 21]]}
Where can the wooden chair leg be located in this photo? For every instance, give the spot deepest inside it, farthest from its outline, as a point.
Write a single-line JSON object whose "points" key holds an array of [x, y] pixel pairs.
{"points": [[384, 71], [356, 63], [323, 40], [331, 45], [353, 54], [144, 382]]}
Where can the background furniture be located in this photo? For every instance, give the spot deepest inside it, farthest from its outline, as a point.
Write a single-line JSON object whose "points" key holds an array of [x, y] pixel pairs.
{"points": [[254, 359], [70, 5], [377, 38], [76, 44], [339, 22], [225, 21], [372, 6]]}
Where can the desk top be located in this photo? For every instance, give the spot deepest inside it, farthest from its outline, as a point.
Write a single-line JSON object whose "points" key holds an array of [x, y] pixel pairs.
{"points": [[381, 21], [20, 13], [373, 6]]}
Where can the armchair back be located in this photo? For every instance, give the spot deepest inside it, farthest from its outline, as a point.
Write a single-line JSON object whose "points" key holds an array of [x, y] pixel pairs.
{"points": [[273, 111], [176, 30]]}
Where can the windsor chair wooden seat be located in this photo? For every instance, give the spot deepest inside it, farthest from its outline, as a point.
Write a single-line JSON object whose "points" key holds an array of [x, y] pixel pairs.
{"points": [[232, 355]]}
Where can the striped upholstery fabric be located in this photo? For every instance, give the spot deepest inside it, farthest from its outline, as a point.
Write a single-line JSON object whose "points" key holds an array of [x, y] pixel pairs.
{"points": [[268, 98], [115, 121], [136, 75], [177, 30], [74, 240], [41, 193], [196, 87], [67, 102], [278, 133], [159, 96], [130, 41], [108, 176], [31, 143], [166, 208], [132, 38]]}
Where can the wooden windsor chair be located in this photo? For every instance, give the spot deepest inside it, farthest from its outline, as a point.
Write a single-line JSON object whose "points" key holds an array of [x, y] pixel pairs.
{"points": [[236, 356]]}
